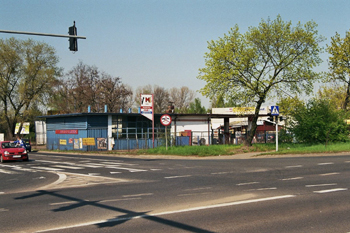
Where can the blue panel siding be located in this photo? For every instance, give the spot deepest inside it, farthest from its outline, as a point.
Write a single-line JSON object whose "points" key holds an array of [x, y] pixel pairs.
{"points": [[131, 144], [53, 140], [66, 123], [182, 140]]}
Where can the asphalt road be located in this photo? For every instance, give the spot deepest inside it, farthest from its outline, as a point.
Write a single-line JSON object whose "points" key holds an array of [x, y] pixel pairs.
{"points": [[80, 193]]}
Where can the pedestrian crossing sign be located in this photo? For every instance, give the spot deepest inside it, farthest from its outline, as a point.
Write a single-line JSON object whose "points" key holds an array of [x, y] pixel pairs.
{"points": [[275, 110]]}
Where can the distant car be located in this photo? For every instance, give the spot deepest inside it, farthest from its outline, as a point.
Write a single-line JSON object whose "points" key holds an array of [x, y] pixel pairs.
{"points": [[28, 145], [11, 151]]}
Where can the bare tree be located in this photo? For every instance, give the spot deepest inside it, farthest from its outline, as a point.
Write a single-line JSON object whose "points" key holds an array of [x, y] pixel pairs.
{"points": [[182, 97]]}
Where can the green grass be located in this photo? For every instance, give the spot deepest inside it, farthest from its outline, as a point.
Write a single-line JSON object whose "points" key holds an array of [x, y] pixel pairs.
{"points": [[294, 148], [269, 148], [217, 150], [201, 151]]}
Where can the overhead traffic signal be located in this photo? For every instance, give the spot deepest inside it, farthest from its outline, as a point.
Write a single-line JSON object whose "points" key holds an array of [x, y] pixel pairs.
{"points": [[73, 42]]}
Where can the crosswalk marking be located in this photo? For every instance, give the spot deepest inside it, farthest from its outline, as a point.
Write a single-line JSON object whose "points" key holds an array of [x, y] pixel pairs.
{"points": [[49, 168], [8, 172], [69, 167]]}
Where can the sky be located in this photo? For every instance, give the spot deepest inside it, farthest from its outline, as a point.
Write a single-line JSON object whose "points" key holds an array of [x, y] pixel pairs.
{"points": [[158, 42]]}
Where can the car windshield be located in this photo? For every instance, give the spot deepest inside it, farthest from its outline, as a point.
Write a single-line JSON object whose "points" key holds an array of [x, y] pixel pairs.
{"points": [[10, 145]]}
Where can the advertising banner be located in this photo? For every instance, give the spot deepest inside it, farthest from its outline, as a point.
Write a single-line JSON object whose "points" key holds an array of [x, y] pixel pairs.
{"points": [[25, 128], [147, 106]]}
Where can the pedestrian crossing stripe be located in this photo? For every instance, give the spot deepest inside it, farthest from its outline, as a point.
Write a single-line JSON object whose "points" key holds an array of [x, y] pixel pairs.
{"points": [[275, 110]]}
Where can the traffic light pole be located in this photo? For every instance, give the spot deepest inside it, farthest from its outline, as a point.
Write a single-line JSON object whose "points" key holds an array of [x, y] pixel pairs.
{"points": [[43, 34], [72, 31]]}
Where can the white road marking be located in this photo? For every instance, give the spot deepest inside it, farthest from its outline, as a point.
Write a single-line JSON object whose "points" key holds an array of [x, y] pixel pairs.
{"points": [[329, 174], [347, 161], [293, 178], [126, 168], [219, 173], [249, 183], [25, 169], [331, 190], [8, 172], [138, 195], [262, 189], [171, 212], [319, 185], [121, 199], [196, 189], [115, 172], [64, 203], [173, 177], [49, 168], [156, 169], [94, 174], [113, 163], [3, 210], [69, 167], [322, 164], [294, 166], [2, 193], [193, 194]]}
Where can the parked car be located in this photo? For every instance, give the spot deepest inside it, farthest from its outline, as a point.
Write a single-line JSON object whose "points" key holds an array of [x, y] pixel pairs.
{"points": [[11, 151], [28, 145]]}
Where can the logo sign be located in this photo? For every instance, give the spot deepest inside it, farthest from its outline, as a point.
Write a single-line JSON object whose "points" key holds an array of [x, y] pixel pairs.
{"points": [[165, 120], [275, 111], [147, 106]]}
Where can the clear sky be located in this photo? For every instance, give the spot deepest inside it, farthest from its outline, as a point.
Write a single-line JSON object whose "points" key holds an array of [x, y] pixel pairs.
{"points": [[158, 42]]}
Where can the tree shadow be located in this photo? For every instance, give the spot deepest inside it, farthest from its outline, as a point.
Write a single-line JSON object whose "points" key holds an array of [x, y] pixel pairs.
{"points": [[128, 214]]}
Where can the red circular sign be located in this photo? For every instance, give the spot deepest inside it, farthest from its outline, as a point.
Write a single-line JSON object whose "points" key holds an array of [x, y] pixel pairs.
{"points": [[165, 120]]}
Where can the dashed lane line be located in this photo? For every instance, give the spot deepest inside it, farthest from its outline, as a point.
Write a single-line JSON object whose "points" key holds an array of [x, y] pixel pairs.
{"points": [[174, 177], [138, 195], [249, 183], [293, 178], [294, 166], [319, 185], [322, 164], [331, 190], [329, 174]]}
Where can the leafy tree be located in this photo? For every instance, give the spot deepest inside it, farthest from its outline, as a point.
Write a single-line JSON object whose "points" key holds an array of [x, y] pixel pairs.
{"points": [[27, 71], [196, 107], [250, 67], [334, 93], [319, 121], [339, 63]]}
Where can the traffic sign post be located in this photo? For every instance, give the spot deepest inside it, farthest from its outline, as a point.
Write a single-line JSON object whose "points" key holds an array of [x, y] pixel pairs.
{"points": [[275, 111], [166, 120]]}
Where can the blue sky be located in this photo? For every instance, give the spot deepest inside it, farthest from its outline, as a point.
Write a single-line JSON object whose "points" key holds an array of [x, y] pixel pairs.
{"points": [[158, 42]]}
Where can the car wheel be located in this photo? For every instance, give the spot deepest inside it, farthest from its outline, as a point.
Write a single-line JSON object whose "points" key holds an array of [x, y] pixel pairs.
{"points": [[26, 158]]}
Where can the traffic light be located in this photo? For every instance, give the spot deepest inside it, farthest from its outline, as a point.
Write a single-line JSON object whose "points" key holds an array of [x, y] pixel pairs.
{"points": [[73, 42], [270, 118]]}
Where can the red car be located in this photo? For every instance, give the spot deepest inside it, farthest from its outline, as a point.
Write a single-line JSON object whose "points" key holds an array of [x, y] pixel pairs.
{"points": [[11, 151]]}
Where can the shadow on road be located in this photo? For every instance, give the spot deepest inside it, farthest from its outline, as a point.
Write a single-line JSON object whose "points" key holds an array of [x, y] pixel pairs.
{"points": [[129, 214]]}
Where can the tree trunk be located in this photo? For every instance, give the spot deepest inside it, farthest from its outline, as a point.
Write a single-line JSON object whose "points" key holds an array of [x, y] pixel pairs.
{"points": [[255, 117], [347, 97]]}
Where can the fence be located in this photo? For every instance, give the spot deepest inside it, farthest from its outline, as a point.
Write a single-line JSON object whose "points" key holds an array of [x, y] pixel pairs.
{"points": [[132, 139]]}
